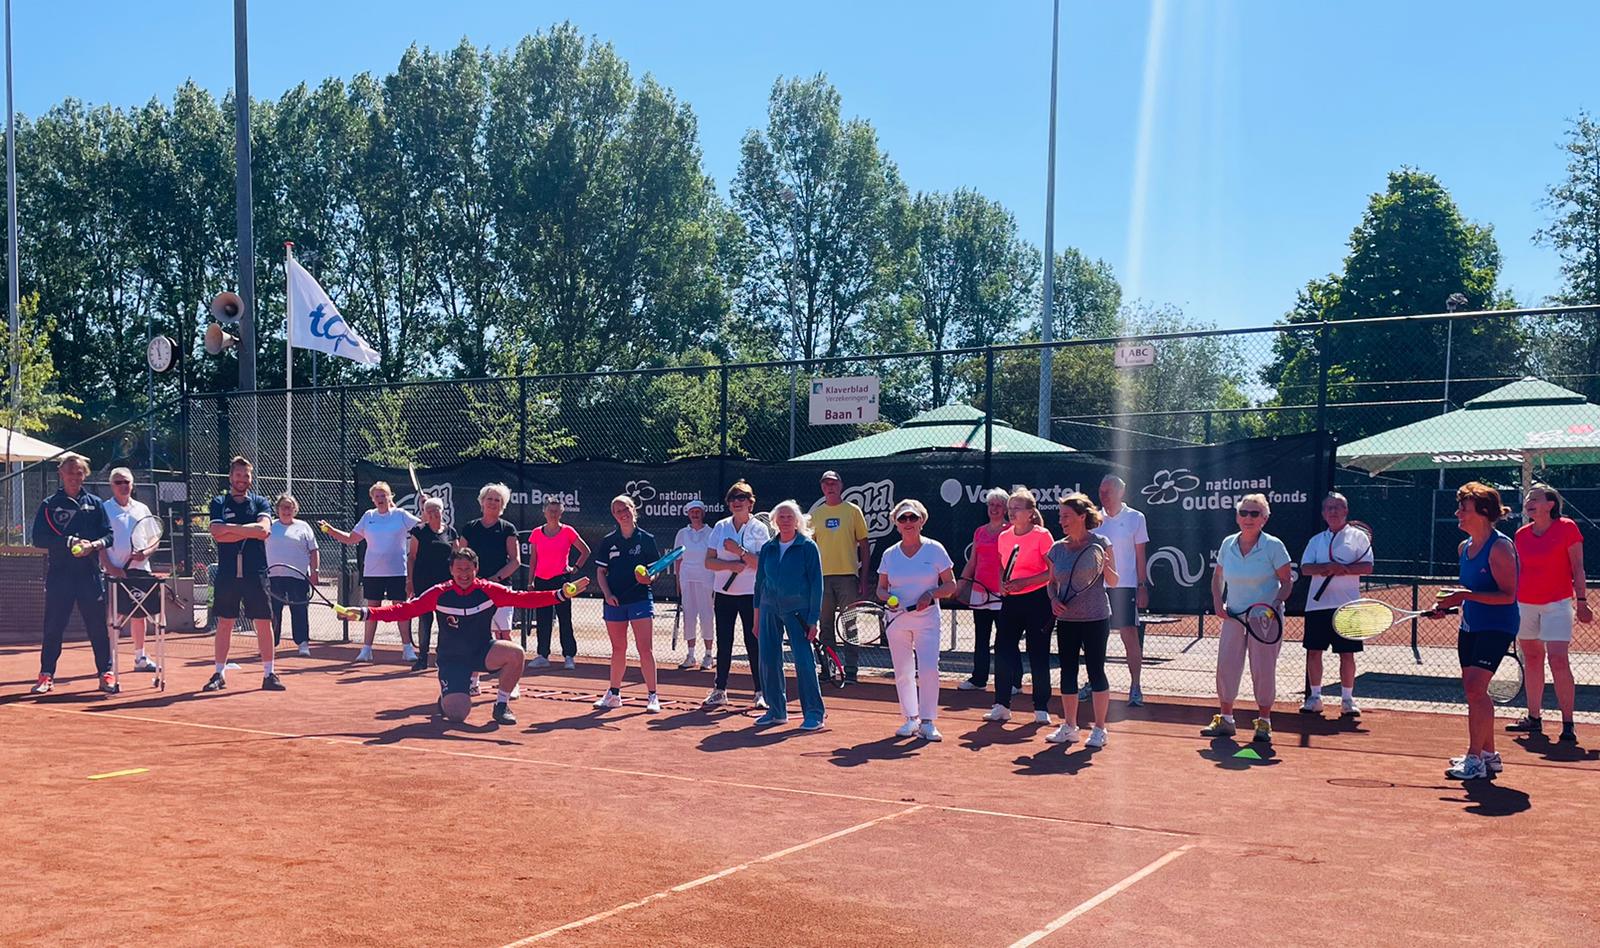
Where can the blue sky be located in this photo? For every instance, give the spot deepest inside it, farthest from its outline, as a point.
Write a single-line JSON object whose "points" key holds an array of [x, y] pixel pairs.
{"points": [[1266, 126]]}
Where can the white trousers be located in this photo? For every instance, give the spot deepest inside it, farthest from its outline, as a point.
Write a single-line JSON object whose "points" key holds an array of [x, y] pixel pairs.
{"points": [[915, 650]]}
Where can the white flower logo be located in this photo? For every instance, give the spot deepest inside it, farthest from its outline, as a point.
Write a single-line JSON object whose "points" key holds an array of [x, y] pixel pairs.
{"points": [[1167, 486]]}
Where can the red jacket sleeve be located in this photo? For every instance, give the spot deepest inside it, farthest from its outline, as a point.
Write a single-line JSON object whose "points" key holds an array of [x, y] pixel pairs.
{"points": [[400, 611], [522, 598]]}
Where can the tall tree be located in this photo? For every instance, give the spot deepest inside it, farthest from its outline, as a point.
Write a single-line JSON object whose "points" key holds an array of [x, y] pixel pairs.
{"points": [[1568, 348], [1411, 250], [819, 201]]}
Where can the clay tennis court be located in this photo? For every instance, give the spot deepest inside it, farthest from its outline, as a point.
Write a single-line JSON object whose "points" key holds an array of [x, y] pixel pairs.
{"points": [[344, 812]]}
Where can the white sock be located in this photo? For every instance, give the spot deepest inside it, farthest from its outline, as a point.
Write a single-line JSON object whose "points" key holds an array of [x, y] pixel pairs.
{"points": [[222, 667], [139, 654], [1228, 718], [502, 696], [1346, 693], [266, 667]]}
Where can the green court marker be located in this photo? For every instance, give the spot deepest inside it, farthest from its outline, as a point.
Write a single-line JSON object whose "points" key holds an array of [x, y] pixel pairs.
{"points": [[1248, 753], [120, 773]]}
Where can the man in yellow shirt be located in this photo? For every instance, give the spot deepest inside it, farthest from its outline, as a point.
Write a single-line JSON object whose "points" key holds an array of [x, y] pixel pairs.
{"points": [[840, 531]]}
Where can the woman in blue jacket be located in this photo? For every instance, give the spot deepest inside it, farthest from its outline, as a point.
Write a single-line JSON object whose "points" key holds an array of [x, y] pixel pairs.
{"points": [[789, 600]]}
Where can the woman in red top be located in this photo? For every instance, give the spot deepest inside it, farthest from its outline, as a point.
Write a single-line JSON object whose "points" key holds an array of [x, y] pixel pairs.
{"points": [[1551, 592], [1024, 608], [984, 567]]}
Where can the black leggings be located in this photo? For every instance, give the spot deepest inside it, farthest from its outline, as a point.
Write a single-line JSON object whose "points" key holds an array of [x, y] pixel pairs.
{"points": [[1025, 616], [1090, 637], [983, 621], [726, 608], [547, 616]]}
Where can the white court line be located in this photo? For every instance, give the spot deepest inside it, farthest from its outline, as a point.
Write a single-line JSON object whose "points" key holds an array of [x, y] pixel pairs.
{"points": [[695, 883], [615, 771], [1102, 897]]}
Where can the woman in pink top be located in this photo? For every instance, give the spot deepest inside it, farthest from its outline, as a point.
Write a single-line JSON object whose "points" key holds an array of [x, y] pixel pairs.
{"points": [[1025, 612], [984, 567], [550, 560], [1551, 592]]}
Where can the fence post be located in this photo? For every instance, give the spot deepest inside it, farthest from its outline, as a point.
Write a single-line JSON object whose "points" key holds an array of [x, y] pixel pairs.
{"points": [[1324, 463], [522, 488], [188, 476], [722, 401], [988, 416], [344, 512], [794, 378]]}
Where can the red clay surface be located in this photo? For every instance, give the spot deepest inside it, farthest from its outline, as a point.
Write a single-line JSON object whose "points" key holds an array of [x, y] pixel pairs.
{"points": [[343, 811]]}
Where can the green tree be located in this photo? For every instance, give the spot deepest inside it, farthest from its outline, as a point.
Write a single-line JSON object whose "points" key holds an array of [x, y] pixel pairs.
{"points": [[1411, 250], [1567, 348], [819, 202]]}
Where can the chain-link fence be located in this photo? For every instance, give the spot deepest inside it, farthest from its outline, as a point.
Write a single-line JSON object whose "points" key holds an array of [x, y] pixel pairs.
{"points": [[1416, 405]]}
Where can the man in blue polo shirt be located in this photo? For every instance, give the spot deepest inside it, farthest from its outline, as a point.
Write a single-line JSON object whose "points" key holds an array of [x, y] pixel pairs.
{"points": [[72, 527], [241, 522]]}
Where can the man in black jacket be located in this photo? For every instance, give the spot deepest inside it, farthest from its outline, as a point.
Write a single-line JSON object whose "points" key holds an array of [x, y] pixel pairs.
{"points": [[72, 527]]}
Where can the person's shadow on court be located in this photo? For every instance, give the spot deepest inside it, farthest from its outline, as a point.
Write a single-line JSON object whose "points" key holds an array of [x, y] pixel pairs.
{"points": [[592, 721], [1488, 798], [1055, 759], [1555, 751], [990, 734], [1229, 754], [887, 748], [744, 737], [694, 717]]}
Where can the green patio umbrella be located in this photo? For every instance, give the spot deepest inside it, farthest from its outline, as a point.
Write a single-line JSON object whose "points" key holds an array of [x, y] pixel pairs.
{"points": [[1514, 425], [953, 427]]}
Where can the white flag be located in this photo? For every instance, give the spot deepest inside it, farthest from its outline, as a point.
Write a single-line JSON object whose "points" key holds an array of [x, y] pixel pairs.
{"points": [[315, 323]]}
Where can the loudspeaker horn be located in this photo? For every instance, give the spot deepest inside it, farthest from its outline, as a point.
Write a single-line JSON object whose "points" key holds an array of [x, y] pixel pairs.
{"points": [[227, 307], [217, 341]]}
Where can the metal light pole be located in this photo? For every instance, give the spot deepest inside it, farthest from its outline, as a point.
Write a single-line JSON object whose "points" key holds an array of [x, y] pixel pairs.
{"points": [[1047, 318], [241, 178], [13, 296]]}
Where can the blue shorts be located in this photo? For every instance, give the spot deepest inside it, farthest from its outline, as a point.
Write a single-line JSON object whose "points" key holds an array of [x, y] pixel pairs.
{"points": [[455, 672], [628, 611], [1483, 649]]}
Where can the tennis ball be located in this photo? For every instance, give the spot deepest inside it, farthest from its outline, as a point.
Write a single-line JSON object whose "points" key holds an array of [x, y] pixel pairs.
{"points": [[77, 549], [640, 571], [894, 601], [571, 589]]}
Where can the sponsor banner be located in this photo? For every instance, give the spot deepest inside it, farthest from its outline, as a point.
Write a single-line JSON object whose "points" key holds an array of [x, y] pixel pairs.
{"points": [[1187, 495]]}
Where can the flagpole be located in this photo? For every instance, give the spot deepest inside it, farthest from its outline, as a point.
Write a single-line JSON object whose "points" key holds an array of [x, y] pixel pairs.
{"points": [[288, 373]]}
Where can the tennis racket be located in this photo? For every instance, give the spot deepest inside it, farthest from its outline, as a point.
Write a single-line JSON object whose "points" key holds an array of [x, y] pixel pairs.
{"points": [[293, 593], [1086, 569], [1358, 546], [416, 485], [677, 616], [145, 537], [1362, 619], [1262, 621], [1011, 564], [646, 573], [763, 518], [828, 661], [1505, 686], [975, 595]]}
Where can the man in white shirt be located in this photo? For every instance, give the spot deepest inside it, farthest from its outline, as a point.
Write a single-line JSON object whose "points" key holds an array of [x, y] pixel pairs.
{"points": [[1126, 530], [127, 567], [1335, 559]]}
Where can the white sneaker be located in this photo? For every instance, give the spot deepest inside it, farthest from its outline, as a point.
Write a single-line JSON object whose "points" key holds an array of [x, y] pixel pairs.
{"points": [[1468, 768], [705, 661], [967, 684], [1065, 734], [761, 701], [688, 662], [409, 652], [1085, 693], [1136, 697], [1097, 737], [1491, 761], [568, 663], [474, 689], [716, 699], [929, 732], [305, 650], [653, 704], [1313, 705], [538, 661], [1041, 717], [516, 691], [1348, 707], [608, 700], [365, 655], [998, 713], [907, 729]]}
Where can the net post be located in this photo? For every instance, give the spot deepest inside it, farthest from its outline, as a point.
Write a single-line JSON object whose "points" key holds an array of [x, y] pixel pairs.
{"points": [[1416, 652]]}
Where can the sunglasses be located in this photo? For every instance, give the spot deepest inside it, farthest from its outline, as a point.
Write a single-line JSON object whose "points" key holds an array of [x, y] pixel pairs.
{"points": [[734, 497], [907, 518], [1248, 513]]}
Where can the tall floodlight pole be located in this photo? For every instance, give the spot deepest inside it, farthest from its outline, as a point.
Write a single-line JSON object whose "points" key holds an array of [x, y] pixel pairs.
{"points": [[241, 178], [13, 296], [1047, 318]]}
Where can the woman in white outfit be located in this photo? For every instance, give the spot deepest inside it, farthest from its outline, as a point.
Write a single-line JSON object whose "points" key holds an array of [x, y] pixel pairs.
{"points": [[917, 572], [387, 531], [694, 586]]}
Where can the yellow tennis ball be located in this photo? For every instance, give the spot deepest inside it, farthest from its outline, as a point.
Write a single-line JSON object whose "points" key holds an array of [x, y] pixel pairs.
{"points": [[571, 589], [640, 571], [894, 601], [77, 549]]}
